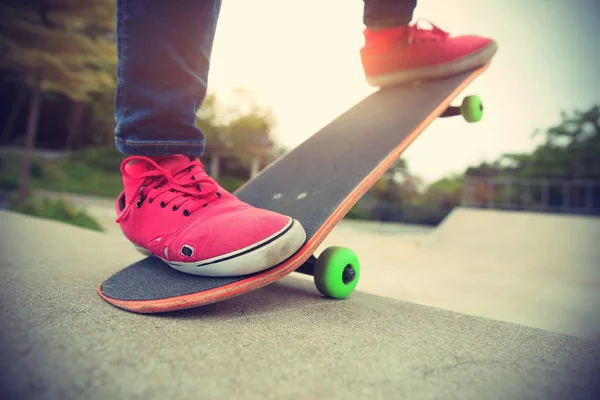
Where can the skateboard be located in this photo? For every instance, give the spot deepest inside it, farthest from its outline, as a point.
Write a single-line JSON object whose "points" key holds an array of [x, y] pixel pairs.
{"points": [[316, 183]]}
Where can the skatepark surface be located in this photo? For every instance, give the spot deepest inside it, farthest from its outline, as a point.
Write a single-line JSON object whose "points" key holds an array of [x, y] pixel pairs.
{"points": [[410, 331], [534, 269]]}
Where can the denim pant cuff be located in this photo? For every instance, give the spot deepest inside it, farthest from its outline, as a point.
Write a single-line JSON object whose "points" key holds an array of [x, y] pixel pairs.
{"points": [[159, 148], [383, 22], [388, 13]]}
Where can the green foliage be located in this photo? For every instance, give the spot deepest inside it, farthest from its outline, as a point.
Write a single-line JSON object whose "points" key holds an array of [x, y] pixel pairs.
{"points": [[397, 185], [359, 213], [77, 177], [449, 184], [396, 212], [231, 183], [93, 171], [100, 126], [62, 41], [68, 175], [9, 171], [442, 194], [58, 210], [241, 130], [571, 150], [57, 46], [106, 159]]}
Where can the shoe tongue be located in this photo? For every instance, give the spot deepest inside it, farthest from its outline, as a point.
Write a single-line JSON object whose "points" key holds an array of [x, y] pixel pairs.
{"points": [[170, 163]]}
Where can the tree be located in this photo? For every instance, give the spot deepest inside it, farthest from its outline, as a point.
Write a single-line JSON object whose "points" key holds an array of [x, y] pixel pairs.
{"points": [[396, 189], [98, 125], [571, 149], [398, 183], [248, 137], [485, 170], [15, 109], [56, 46], [241, 131], [209, 121], [443, 193], [248, 129]]}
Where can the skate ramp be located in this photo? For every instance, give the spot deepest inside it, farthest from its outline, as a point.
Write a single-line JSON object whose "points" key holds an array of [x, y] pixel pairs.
{"points": [[61, 341], [532, 238], [538, 270]]}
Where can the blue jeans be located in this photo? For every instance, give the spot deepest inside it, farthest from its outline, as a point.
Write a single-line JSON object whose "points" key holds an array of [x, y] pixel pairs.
{"points": [[164, 49]]}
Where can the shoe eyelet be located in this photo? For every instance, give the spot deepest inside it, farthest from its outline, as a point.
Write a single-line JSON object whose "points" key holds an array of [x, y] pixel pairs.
{"points": [[186, 213], [219, 194], [163, 204], [150, 200], [174, 208], [204, 205], [140, 201], [187, 251]]}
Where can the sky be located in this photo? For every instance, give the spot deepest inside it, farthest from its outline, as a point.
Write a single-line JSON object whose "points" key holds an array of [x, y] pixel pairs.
{"points": [[301, 60]]}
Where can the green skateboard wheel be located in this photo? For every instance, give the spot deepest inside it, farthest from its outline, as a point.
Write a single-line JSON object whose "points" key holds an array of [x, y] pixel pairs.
{"points": [[472, 109], [336, 273]]}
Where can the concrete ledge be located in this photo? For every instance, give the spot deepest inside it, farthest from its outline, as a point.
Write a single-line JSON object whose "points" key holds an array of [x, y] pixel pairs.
{"points": [[60, 340]]}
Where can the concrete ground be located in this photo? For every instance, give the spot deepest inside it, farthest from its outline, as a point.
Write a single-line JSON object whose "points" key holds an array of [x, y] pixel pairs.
{"points": [[531, 269], [60, 340]]}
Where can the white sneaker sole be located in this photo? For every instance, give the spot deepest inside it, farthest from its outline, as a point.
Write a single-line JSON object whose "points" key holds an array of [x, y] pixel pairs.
{"points": [[260, 256]]}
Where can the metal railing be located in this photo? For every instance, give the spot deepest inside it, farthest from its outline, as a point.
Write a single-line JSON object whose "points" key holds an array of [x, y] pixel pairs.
{"points": [[541, 195]]}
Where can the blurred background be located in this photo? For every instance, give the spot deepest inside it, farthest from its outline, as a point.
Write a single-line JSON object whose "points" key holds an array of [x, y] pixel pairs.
{"points": [[282, 70]]}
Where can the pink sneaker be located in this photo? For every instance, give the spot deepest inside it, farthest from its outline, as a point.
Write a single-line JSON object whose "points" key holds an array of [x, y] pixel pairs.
{"points": [[408, 53], [171, 209]]}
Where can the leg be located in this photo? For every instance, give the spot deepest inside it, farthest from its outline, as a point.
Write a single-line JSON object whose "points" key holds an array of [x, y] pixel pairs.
{"points": [[170, 208], [164, 51], [396, 51], [381, 14]]}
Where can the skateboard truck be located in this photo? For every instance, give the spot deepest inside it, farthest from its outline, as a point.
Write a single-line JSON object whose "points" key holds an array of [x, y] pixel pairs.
{"points": [[471, 109]]}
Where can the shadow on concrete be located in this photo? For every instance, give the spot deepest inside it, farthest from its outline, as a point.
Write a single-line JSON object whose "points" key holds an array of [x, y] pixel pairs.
{"points": [[279, 297]]}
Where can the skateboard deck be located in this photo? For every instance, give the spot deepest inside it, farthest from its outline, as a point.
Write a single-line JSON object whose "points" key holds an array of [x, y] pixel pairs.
{"points": [[317, 183]]}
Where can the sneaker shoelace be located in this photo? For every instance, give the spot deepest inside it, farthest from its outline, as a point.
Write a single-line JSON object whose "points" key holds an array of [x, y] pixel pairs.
{"points": [[188, 186], [423, 26]]}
